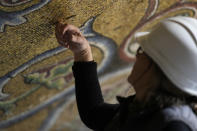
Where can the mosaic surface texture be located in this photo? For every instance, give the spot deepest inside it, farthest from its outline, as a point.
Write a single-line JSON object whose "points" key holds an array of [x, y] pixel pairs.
{"points": [[36, 80]]}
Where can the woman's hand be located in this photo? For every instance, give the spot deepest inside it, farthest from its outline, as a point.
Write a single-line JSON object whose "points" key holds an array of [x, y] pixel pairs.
{"points": [[70, 37]]}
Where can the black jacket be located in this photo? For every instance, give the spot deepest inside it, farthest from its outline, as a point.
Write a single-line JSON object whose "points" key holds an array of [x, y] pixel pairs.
{"points": [[93, 111]]}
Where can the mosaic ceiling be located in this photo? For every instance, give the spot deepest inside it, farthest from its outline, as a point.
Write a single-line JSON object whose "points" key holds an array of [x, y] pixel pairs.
{"points": [[36, 80]]}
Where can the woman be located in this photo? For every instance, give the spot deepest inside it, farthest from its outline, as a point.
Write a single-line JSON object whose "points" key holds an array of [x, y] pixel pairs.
{"points": [[164, 78]]}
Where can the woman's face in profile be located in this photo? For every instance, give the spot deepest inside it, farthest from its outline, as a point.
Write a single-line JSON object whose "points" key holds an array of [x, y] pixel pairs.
{"points": [[144, 76]]}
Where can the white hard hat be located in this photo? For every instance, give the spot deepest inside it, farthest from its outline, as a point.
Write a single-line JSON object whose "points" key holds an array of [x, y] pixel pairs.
{"points": [[172, 44]]}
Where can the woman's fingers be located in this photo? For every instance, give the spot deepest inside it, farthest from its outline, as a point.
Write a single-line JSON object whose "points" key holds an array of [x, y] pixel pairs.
{"points": [[60, 28], [64, 32], [70, 37], [58, 34], [71, 28], [75, 39]]}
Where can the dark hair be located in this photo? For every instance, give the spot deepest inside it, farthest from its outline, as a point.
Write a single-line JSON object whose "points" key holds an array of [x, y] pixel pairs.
{"points": [[167, 94]]}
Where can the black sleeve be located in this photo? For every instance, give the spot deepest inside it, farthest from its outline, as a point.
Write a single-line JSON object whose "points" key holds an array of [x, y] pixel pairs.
{"points": [[177, 126], [92, 109]]}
